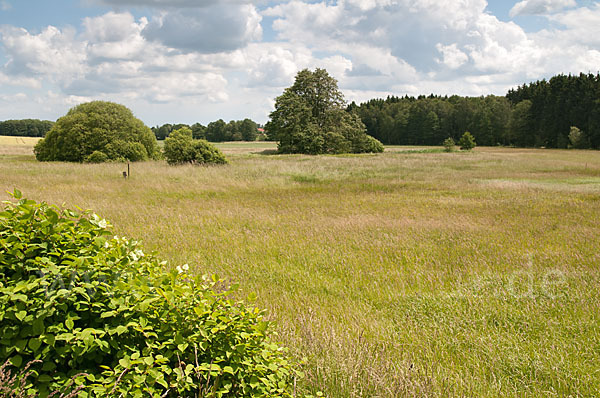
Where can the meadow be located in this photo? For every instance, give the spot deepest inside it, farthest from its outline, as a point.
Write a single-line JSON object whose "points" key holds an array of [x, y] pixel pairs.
{"points": [[407, 273]]}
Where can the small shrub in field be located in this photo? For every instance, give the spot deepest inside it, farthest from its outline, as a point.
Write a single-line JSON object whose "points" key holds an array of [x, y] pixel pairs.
{"points": [[467, 142], [577, 138], [97, 157], [370, 145], [449, 144], [180, 147], [95, 311]]}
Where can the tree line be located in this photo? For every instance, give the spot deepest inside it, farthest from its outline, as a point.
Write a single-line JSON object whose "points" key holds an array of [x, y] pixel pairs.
{"points": [[545, 111], [535, 114], [217, 131], [25, 127]]}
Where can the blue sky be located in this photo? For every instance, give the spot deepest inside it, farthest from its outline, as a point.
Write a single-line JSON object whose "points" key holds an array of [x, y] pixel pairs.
{"points": [[201, 60]]}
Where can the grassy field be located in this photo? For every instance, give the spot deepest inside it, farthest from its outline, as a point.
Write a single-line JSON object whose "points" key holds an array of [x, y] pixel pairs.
{"points": [[17, 145], [398, 274]]}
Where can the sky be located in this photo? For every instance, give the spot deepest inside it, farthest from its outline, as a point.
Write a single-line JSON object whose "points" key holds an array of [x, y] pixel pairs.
{"points": [[188, 61]]}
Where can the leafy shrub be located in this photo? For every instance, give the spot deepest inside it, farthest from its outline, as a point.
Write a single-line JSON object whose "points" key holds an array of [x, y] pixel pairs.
{"points": [[98, 126], [180, 147], [96, 157], [96, 310], [577, 138], [466, 142], [371, 145], [449, 144]]}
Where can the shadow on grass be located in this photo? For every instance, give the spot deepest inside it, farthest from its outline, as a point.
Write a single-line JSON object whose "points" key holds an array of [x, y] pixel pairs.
{"points": [[267, 152]]}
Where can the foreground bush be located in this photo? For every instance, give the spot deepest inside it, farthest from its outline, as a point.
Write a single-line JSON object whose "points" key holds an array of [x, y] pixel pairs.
{"points": [[181, 147], [98, 130], [95, 310]]}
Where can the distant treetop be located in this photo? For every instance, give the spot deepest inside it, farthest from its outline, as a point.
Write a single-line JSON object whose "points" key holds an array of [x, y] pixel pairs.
{"points": [[25, 127]]}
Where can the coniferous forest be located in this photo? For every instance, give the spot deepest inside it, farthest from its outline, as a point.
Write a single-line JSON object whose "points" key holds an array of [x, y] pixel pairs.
{"points": [[539, 114]]}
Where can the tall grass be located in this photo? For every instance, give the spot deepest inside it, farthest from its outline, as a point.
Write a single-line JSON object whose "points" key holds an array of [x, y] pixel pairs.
{"points": [[399, 274]]}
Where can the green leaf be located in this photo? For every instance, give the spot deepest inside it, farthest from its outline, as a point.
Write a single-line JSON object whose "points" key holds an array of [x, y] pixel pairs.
{"points": [[48, 366], [108, 314], [38, 326], [20, 315], [17, 360], [121, 329], [44, 379], [125, 362], [69, 324], [35, 344], [182, 347]]}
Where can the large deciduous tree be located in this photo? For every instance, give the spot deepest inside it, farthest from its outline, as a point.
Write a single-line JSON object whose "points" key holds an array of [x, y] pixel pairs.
{"points": [[310, 117], [107, 129]]}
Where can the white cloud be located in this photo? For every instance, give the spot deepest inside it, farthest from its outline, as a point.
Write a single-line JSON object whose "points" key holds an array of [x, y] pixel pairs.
{"points": [[109, 58], [453, 57], [274, 64], [5, 5], [203, 60], [581, 26], [166, 3], [211, 29], [51, 53], [414, 46], [540, 7], [20, 81], [112, 27], [114, 36]]}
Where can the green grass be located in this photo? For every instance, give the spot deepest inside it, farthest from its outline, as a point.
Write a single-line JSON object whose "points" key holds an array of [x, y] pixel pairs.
{"points": [[398, 274]]}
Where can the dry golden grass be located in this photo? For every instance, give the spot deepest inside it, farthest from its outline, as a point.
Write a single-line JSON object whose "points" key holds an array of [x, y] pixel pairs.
{"points": [[398, 274], [17, 145]]}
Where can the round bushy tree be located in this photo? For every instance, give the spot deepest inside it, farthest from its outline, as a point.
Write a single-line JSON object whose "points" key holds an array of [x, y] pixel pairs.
{"points": [[310, 117], [181, 147], [98, 126], [449, 144], [77, 304], [467, 141]]}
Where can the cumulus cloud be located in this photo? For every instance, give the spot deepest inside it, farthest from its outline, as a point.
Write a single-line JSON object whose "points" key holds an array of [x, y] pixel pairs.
{"points": [[211, 29], [109, 57], [274, 64], [453, 57], [52, 52], [581, 26], [166, 3], [20, 81], [210, 55], [114, 36], [403, 38], [540, 7], [414, 46]]}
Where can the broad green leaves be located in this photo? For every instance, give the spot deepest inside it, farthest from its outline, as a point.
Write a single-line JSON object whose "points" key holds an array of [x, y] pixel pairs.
{"points": [[82, 301]]}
